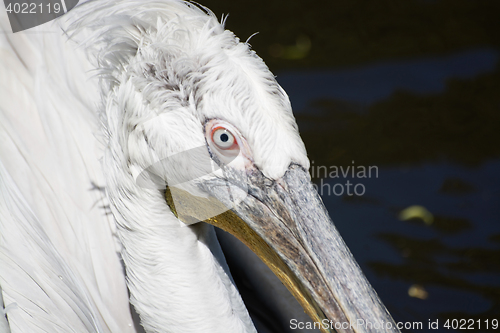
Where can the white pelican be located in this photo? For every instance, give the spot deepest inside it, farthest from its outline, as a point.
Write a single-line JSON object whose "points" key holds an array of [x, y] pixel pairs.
{"points": [[103, 93]]}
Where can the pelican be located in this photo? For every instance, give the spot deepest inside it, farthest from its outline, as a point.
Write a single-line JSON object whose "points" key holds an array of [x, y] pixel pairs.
{"points": [[123, 124]]}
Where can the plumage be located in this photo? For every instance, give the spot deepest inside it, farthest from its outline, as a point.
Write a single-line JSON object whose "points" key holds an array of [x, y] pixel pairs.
{"points": [[90, 101], [59, 269]]}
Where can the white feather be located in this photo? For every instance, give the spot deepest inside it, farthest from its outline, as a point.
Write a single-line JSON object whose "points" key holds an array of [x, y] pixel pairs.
{"points": [[59, 268]]}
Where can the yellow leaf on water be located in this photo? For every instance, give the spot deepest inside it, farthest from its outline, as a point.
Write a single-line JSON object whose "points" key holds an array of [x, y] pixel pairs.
{"points": [[418, 291], [416, 211]]}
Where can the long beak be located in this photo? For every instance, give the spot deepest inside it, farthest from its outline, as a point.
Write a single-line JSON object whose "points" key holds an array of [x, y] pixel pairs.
{"points": [[286, 224]]}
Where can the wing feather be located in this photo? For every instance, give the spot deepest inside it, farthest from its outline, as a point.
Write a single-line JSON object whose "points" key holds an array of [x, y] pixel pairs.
{"points": [[59, 266]]}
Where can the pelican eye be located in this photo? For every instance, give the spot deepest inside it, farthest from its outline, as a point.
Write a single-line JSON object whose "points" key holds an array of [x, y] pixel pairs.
{"points": [[223, 138]]}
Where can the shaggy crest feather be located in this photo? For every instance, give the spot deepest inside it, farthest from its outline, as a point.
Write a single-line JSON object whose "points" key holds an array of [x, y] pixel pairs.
{"points": [[178, 56]]}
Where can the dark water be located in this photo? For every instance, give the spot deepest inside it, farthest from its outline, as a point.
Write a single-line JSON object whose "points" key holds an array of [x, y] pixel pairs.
{"points": [[412, 89]]}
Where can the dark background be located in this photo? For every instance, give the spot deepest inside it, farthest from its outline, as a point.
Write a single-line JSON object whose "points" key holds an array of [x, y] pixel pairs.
{"points": [[412, 87]]}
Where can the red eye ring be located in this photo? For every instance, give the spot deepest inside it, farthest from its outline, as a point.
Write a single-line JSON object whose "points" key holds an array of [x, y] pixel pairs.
{"points": [[223, 138]]}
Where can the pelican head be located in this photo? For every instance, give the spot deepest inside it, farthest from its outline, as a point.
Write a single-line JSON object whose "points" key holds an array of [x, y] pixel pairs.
{"points": [[189, 107]]}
